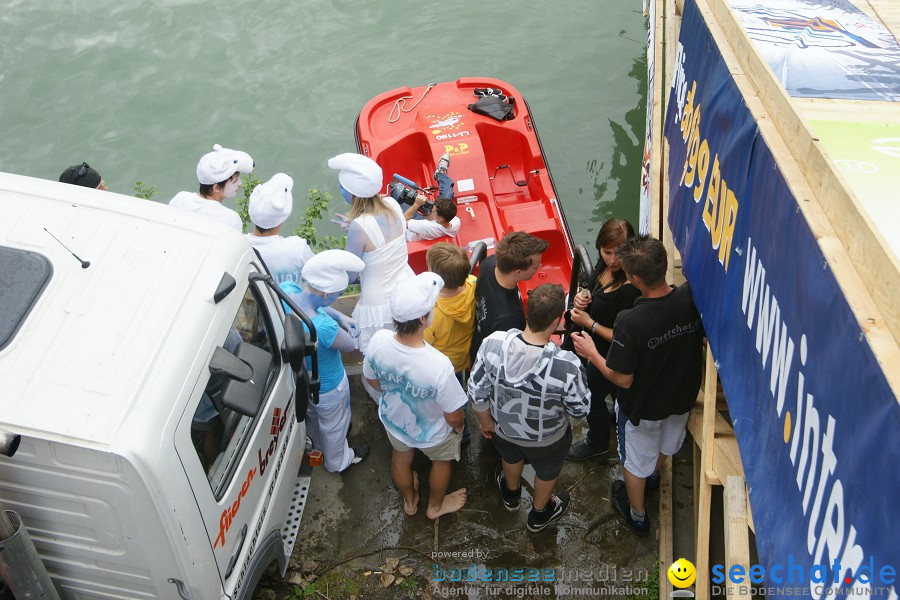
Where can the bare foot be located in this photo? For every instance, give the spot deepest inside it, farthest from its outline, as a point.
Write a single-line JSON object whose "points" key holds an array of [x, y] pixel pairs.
{"points": [[452, 503], [411, 510]]}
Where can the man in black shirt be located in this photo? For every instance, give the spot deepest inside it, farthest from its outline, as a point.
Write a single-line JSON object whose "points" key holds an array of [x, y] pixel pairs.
{"points": [[656, 360], [498, 306]]}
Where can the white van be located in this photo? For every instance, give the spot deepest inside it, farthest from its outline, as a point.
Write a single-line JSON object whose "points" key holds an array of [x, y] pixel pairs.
{"points": [[144, 364]]}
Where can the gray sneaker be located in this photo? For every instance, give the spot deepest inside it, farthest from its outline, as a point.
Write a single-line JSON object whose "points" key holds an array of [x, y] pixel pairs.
{"points": [[443, 165]]}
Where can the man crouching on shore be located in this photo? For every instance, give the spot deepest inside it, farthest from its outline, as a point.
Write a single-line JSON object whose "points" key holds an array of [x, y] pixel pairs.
{"points": [[420, 400]]}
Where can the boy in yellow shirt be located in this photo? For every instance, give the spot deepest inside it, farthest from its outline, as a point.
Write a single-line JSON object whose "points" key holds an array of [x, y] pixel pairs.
{"points": [[454, 314]]}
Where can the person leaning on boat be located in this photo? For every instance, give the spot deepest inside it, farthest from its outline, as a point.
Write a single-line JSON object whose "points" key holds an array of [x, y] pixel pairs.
{"points": [[656, 359], [219, 174], [377, 234], [609, 294], [498, 305]]}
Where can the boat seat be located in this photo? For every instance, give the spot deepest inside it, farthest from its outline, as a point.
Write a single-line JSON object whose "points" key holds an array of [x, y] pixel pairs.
{"points": [[550, 227], [525, 215], [510, 199], [417, 251]]}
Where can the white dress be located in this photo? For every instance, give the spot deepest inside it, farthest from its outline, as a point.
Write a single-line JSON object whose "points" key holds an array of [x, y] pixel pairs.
{"points": [[386, 266]]}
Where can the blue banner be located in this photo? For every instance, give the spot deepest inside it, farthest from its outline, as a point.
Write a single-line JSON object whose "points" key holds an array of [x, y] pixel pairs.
{"points": [[816, 421]]}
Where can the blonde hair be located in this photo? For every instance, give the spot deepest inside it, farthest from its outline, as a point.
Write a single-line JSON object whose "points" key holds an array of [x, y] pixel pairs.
{"points": [[373, 205]]}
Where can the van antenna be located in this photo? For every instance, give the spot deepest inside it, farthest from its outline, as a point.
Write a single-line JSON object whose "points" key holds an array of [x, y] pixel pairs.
{"points": [[84, 263]]}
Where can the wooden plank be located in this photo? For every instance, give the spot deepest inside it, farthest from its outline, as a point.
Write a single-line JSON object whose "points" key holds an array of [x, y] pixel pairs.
{"points": [[658, 226], [704, 500], [847, 110], [656, 121], [737, 542], [707, 436], [708, 429], [672, 28], [827, 203], [696, 469], [666, 537], [865, 7], [888, 12]]}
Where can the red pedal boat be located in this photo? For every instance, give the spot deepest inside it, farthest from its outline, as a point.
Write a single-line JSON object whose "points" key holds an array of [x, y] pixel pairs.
{"points": [[502, 180]]}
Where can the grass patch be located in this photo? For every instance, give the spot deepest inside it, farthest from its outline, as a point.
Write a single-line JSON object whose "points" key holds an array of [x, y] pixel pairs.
{"points": [[651, 586], [332, 585]]}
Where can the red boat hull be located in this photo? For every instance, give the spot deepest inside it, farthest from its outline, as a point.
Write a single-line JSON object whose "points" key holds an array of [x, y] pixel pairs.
{"points": [[406, 130]]}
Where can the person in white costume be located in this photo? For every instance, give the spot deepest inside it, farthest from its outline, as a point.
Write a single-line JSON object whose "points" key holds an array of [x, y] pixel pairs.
{"points": [[377, 234], [324, 279], [219, 174], [270, 206]]}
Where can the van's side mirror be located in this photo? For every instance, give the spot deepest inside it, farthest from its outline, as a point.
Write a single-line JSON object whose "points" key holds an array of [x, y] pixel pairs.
{"points": [[295, 348], [295, 342], [246, 375]]}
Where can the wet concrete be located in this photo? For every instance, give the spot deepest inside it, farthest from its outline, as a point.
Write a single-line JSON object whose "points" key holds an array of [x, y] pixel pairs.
{"points": [[355, 540]]}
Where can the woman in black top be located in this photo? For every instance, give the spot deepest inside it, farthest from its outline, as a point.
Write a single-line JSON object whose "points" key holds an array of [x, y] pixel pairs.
{"points": [[596, 312]]}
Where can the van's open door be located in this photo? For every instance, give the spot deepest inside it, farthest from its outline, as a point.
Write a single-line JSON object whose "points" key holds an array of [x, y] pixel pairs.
{"points": [[243, 436]]}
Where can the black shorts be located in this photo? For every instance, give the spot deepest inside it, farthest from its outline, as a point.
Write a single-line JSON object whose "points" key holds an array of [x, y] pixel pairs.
{"points": [[547, 460]]}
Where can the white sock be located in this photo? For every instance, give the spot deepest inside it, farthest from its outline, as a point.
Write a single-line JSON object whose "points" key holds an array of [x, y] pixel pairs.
{"points": [[635, 515]]}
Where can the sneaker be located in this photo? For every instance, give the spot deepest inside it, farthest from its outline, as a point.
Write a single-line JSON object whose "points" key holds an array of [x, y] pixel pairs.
{"points": [[585, 449], [359, 454], [555, 509], [443, 165], [510, 498], [621, 504], [652, 483]]}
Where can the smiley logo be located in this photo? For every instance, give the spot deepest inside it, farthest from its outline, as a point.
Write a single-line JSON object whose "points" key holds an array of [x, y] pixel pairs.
{"points": [[682, 573]]}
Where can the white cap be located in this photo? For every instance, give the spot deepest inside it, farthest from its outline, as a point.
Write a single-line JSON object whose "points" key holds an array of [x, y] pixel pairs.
{"points": [[416, 298], [222, 163], [360, 175], [327, 270], [271, 202]]}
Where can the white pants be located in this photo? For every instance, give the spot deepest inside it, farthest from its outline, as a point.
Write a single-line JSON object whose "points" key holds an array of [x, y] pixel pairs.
{"points": [[640, 447], [327, 424]]}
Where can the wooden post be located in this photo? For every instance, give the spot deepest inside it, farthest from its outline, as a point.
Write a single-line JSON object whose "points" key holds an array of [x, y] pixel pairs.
{"points": [[666, 551], [737, 540], [707, 449]]}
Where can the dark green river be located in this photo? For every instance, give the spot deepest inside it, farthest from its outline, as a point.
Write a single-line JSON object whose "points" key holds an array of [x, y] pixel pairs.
{"points": [[140, 89]]}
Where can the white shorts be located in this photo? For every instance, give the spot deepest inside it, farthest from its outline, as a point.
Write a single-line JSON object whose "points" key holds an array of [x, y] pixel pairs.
{"points": [[640, 447]]}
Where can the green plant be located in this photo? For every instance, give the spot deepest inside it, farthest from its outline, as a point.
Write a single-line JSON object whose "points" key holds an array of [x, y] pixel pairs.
{"points": [[250, 181], [651, 587], [316, 206], [332, 585], [143, 190]]}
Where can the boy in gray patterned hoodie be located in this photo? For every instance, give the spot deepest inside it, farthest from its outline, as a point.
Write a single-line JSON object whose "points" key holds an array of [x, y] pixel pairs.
{"points": [[523, 389]]}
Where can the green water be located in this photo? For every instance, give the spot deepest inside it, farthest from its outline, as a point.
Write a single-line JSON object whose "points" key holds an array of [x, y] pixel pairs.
{"points": [[141, 89]]}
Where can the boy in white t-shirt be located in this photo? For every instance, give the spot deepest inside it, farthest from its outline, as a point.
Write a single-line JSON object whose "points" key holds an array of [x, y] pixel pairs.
{"points": [[442, 221], [420, 400], [219, 174], [270, 206]]}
